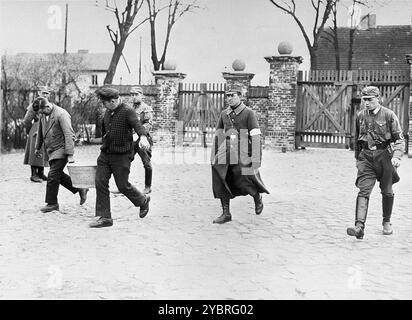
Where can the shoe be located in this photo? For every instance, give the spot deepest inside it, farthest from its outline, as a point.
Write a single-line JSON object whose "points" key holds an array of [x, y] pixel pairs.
{"points": [[43, 177], [387, 228], [50, 207], [83, 195], [144, 209], [35, 179], [223, 218], [101, 223], [40, 173], [258, 203], [356, 231], [147, 190]]}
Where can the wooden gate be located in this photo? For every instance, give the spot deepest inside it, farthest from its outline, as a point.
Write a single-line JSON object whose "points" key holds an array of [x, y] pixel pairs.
{"points": [[199, 107], [327, 103]]}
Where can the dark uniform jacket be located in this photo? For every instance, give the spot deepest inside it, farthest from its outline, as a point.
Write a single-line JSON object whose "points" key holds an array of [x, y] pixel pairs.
{"points": [[236, 132], [379, 130], [117, 130]]}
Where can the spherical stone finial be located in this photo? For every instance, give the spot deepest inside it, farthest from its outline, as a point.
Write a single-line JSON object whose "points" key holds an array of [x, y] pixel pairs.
{"points": [[285, 47], [169, 65], [238, 65]]}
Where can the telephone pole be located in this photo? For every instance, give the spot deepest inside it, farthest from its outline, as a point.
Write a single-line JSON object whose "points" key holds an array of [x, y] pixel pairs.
{"points": [[62, 92], [140, 62], [65, 30]]}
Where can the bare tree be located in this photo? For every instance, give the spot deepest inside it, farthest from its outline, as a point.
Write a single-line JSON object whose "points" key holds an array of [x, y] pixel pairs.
{"points": [[176, 9], [22, 75], [353, 8], [322, 11], [125, 22]]}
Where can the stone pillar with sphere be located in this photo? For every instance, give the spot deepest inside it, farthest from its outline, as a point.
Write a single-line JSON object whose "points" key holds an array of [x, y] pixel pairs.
{"points": [[281, 124], [166, 127], [238, 77]]}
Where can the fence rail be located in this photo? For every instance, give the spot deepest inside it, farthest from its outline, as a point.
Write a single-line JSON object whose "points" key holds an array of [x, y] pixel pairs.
{"points": [[358, 76]]}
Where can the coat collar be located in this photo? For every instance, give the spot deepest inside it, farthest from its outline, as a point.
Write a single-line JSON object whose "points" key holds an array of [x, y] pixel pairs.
{"points": [[49, 123], [238, 109]]}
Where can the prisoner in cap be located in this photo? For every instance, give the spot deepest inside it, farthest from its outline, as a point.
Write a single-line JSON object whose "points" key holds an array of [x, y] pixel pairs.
{"points": [[107, 93]]}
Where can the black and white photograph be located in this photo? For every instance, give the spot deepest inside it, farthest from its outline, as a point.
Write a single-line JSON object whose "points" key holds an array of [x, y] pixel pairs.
{"points": [[212, 154]]}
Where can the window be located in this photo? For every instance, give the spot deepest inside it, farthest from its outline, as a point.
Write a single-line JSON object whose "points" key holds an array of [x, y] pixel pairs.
{"points": [[94, 79]]}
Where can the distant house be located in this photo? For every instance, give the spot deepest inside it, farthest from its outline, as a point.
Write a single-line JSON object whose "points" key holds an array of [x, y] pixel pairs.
{"points": [[94, 68], [374, 47], [88, 69]]}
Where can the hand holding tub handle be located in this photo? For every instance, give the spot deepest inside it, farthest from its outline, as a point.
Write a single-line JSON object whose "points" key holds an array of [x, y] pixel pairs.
{"points": [[144, 143], [396, 162]]}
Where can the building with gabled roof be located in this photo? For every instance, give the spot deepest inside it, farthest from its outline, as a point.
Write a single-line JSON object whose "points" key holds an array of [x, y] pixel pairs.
{"points": [[374, 47]]}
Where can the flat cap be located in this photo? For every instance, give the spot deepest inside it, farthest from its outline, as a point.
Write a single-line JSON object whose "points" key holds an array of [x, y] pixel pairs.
{"points": [[370, 92], [136, 89], [107, 93]]}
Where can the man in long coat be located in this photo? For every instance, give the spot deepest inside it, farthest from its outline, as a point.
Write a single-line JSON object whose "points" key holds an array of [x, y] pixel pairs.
{"points": [[237, 155], [31, 123]]}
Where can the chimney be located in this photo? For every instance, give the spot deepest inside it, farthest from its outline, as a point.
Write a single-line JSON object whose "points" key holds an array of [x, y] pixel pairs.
{"points": [[83, 51], [364, 21], [372, 21], [368, 21]]}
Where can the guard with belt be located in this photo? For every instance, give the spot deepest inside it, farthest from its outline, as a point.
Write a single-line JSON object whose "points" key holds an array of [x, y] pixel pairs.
{"points": [[379, 146]]}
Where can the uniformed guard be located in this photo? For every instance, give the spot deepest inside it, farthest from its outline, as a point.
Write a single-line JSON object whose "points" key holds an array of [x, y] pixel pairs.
{"points": [[145, 115], [379, 146], [236, 156]]}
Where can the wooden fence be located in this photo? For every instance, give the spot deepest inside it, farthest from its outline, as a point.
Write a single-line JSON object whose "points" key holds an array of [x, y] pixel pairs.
{"points": [[327, 102], [199, 107]]}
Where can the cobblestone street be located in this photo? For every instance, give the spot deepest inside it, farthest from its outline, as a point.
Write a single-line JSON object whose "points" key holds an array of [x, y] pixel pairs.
{"points": [[297, 248]]}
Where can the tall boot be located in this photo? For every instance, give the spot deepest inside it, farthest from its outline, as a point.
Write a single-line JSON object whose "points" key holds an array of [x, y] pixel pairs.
{"points": [[225, 216], [147, 180], [387, 205], [34, 177], [40, 173], [362, 204]]}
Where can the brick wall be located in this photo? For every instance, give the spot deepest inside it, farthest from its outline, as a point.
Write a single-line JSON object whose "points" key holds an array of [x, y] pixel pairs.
{"points": [[281, 121], [260, 105]]}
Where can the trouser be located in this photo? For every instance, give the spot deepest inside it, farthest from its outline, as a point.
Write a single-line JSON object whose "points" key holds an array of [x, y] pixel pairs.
{"points": [[372, 166], [119, 166], [146, 156], [57, 177]]}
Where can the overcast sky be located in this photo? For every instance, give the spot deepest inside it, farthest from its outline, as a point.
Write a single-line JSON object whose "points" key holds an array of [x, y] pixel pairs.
{"points": [[203, 44]]}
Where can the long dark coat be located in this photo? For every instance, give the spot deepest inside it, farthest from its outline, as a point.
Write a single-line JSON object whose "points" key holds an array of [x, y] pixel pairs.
{"points": [[31, 120], [234, 162]]}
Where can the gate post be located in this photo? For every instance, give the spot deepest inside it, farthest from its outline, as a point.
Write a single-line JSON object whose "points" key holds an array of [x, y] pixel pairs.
{"points": [[409, 137], [238, 77], [167, 118], [281, 125]]}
